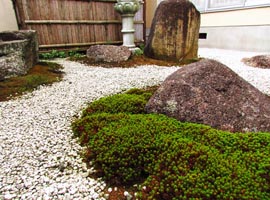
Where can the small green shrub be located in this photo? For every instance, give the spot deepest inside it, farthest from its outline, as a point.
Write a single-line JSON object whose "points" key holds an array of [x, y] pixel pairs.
{"points": [[46, 56], [60, 54], [53, 54], [138, 52], [142, 47], [75, 53]]}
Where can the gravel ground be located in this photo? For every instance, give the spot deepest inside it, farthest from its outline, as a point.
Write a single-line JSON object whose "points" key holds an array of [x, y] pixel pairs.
{"points": [[40, 160]]}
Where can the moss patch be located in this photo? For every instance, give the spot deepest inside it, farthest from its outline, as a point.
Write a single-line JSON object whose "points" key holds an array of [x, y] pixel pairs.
{"points": [[171, 159], [41, 74]]}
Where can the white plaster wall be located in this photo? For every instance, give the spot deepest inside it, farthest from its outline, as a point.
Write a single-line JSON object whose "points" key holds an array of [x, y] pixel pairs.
{"points": [[151, 6], [246, 38], [244, 29], [7, 16], [240, 17]]}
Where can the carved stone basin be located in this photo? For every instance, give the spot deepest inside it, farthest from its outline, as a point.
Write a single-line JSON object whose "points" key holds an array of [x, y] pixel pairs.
{"points": [[18, 52]]}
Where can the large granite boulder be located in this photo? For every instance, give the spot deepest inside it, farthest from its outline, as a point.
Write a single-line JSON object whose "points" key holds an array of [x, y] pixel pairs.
{"points": [[18, 52], [174, 32], [108, 53], [208, 92]]}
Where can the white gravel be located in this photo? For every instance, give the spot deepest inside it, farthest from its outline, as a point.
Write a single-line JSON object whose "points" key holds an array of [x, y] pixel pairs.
{"points": [[38, 157]]}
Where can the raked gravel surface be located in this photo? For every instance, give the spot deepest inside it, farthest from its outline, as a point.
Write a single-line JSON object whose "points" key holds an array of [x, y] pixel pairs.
{"points": [[39, 159]]}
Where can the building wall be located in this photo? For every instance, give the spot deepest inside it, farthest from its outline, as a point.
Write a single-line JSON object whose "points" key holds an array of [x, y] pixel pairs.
{"points": [[245, 38], [241, 17], [150, 11], [7, 16], [244, 29]]}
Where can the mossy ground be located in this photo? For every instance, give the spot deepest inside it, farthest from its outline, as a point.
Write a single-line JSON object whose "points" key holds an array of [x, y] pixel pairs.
{"points": [[42, 73], [172, 159]]}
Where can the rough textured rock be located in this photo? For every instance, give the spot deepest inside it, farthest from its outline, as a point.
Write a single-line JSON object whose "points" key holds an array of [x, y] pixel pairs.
{"points": [[2, 74], [208, 92], [174, 32], [261, 61], [18, 52], [108, 53]]}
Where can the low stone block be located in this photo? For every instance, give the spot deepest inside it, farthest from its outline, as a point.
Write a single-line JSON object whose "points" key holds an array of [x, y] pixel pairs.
{"points": [[18, 52], [108, 53]]}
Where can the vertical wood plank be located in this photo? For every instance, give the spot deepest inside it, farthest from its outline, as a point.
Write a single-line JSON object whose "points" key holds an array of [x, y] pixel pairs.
{"points": [[62, 33]]}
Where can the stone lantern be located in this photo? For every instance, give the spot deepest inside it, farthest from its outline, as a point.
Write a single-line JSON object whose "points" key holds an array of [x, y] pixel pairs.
{"points": [[128, 9]]}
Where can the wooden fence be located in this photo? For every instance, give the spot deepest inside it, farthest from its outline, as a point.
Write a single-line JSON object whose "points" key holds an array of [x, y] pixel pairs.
{"points": [[67, 24]]}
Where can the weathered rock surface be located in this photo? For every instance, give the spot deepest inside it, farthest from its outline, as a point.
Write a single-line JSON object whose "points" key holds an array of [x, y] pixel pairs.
{"points": [[108, 53], [261, 61], [18, 52], [174, 32], [208, 92]]}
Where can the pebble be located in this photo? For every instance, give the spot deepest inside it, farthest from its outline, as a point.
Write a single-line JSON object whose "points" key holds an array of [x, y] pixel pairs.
{"points": [[39, 157], [110, 190], [9, 196]]}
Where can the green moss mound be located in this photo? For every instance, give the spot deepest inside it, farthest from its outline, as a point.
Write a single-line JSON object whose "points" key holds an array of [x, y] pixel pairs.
{"points": [[172, 159], [120, 103], [133, 102], [88, 126], [102, 112], [189, 168], [125, 150]]}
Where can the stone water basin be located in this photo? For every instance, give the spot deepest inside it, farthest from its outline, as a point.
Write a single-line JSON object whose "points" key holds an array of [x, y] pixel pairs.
{"points": [[18, 52]]}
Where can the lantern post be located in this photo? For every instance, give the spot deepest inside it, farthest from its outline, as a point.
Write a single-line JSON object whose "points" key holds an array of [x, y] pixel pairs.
{"points": [[128, 9]]}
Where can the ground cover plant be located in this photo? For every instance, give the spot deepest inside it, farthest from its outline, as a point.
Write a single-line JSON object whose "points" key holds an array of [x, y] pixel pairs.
{"points": [[60, 54], [41, 74], [171, 159]]}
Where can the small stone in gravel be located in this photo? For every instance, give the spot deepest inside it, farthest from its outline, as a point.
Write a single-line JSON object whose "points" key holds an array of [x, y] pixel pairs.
{"points": [[9, 196]]}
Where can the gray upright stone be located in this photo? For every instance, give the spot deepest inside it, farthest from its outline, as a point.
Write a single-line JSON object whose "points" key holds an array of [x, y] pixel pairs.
{"points": [[174, 32]]}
